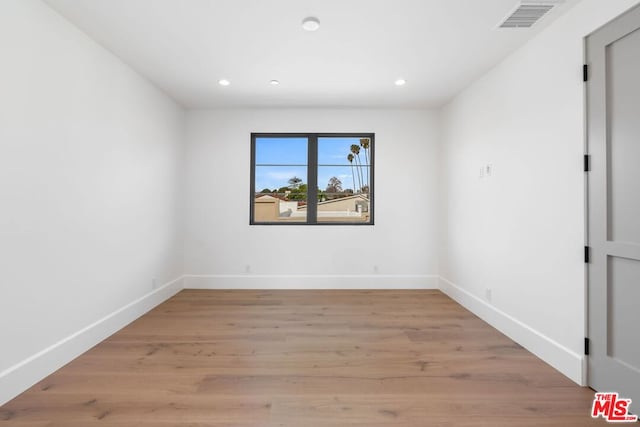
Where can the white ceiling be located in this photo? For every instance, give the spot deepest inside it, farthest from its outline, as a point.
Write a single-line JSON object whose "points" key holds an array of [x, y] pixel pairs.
{"points": [[361, 48]]}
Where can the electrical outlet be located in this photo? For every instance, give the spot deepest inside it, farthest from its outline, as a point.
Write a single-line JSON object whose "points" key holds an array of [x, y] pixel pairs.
{"points": [[247, 268], [489, 169]]}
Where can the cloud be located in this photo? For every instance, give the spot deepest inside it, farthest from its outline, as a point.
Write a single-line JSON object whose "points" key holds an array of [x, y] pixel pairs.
{"points": [[282, 175]]}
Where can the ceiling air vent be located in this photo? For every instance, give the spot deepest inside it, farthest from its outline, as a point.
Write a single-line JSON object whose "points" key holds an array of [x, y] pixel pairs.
{"points": [[527, 13]]}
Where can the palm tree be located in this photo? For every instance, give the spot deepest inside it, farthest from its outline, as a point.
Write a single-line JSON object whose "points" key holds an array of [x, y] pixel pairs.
{"points": [[364, 142], [355, 149], [353, 175], [295, 183]]}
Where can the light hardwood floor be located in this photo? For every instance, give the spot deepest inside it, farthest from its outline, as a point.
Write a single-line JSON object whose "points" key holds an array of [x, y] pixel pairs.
{"points": [[305, 358]]}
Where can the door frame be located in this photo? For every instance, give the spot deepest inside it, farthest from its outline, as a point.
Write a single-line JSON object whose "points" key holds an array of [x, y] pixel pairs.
{"points": [[587, 70]]}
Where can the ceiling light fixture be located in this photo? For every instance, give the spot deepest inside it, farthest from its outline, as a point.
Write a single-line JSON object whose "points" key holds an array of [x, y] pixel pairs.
{"points": [[311, 23], [401, 82], [224, 82], [274, 82]]}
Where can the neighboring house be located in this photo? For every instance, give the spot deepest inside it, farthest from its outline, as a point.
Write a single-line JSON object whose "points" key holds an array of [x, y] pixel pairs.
{"points": [[266, 208], [344, 206], [269, 208]]}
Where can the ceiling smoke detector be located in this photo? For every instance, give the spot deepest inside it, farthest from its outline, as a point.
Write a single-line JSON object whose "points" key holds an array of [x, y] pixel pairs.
{"points": [[527, 13], [311, 23]]}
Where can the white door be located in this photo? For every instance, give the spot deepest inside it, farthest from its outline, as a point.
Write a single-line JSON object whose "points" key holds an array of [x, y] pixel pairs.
{"points": [[613, 143]]}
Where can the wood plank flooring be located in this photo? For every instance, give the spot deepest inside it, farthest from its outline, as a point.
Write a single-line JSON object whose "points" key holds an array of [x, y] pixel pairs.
{"points": [[304, 358]]}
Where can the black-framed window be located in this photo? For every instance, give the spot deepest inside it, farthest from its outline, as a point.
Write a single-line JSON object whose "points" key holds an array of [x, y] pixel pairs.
{"points": [[312, 178]]}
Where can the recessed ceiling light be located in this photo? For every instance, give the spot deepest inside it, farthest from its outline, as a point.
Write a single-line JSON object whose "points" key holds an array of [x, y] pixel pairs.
{"points": [[311, 23], [224, 82], [401, 82], [274, 82]]}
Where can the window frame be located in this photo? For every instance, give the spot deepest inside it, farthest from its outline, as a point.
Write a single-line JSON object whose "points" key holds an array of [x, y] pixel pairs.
{"points": [[312, 175]]}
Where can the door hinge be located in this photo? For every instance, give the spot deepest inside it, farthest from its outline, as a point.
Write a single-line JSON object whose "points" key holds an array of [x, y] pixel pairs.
{"points": [[587, 252], [585, 73], [586, 346], [587, 163]]}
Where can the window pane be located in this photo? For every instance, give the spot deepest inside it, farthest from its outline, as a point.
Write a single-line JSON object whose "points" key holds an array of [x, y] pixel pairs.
{"points": [[281, 194], [336, 150], [281, 151], [337, 201], [352, 152]]}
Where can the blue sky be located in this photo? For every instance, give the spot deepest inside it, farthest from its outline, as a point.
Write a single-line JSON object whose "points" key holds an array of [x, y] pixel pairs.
{"points": [[291, 153]]}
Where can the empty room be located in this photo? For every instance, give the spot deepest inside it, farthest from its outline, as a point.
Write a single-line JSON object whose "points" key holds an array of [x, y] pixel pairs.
{"points": [[319, 213]]}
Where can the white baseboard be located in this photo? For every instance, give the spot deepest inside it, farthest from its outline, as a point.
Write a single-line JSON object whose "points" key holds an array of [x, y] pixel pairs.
{"points": [[25, 374], [561, 358], [254, 281]]}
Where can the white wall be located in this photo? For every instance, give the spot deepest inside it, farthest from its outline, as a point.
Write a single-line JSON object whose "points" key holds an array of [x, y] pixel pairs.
{"points": [[90, 189], [520, 232], [220, 243]]}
